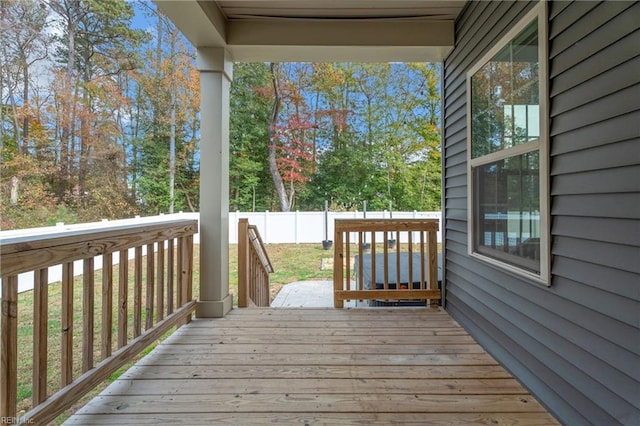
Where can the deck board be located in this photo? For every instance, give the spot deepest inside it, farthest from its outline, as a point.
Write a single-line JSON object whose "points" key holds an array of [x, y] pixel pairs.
{"points": [[317, 366]]}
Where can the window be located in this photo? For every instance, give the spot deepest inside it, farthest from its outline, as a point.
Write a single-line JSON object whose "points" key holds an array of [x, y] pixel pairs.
{"points": [[507, 155]]}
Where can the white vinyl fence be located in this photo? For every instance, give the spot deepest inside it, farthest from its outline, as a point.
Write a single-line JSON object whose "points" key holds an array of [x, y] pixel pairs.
{"points": [[308, 227], [275, 228]]}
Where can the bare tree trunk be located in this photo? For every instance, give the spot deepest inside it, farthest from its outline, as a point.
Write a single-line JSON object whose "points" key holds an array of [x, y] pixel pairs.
{"points": [[25, 102], [12, 101], [172, 137], [85, 136], [292, 193], [281, 191], [15, 187], [315, 133], [66, 141], [134, 151]]}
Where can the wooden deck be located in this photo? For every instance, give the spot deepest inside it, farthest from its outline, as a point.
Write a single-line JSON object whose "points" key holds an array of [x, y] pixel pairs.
{"points": [[317, 366]]}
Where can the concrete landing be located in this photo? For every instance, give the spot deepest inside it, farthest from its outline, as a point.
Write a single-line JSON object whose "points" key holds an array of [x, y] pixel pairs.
{"points": [[306, 294]]}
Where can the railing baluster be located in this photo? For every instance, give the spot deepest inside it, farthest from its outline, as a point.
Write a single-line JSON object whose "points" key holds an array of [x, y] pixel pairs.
{"points": [[137, 292], [423, 280], [180, 275], [338, 268], [123, 296], [398, 245], [348, 259], [160, 282], [107, 305], [170, 256], [66, 357], [410, 251], [9, 347], [260, 282], [243, 263], [433, 263], [190, 255], [150, 287], [373, 260], [40, 334], [254, 281], [88, 307], [386, 262], [360, 283], [186, 269]]}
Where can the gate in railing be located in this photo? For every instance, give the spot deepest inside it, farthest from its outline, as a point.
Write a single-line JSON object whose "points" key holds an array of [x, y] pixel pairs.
{"points": [[254, 267], [162, 300], [390, 260]]}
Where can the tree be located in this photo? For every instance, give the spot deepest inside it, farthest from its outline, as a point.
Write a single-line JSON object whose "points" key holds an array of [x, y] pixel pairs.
{"points": [[250, 184], [23, 45], [95, 46], [166, 177], [278, 184], [379, 138]]}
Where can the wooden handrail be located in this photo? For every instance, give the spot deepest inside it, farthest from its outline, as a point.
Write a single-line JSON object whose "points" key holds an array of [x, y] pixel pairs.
{"points": [[24, 253], [254, 267], [393, 274]]}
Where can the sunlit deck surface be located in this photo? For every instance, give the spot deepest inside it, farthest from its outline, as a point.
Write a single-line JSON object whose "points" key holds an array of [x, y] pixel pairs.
{"points": [[317, 366]]}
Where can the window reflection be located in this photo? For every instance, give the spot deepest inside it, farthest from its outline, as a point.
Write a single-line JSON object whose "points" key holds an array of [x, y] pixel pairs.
{"points": [[508, 210], [505, 96]]}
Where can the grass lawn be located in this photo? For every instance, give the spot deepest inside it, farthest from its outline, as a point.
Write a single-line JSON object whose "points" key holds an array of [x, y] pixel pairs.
{"points": [[292, 262]]}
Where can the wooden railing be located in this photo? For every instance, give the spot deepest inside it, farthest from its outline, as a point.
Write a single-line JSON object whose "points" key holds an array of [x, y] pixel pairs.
{"points": [[254, 267], [393, 260], [162, 299]]}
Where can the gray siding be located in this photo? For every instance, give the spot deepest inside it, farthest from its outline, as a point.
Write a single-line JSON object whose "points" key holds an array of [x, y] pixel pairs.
{"points": [[576, 344]]}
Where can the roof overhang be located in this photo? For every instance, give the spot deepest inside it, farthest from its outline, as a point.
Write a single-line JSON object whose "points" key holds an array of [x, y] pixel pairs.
{"points": [[319, 31]]}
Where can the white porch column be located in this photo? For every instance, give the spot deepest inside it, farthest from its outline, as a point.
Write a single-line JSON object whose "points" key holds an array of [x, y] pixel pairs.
{"points": [[216, 71]]}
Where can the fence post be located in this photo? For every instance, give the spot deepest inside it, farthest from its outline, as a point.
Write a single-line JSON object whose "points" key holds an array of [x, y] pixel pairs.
{"points": [[243, 262], [266, 226], [296, 227]]}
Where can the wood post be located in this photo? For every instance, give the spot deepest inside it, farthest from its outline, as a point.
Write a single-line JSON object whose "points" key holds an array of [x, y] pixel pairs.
{"points": [[149, 311], [123, 297], [160, 281], [170, 276], [107, 304], [137, 292], [243, 263], [40, 333], [186, 271], [88, 306], [338, 268], [66, 356], [9, 347]]}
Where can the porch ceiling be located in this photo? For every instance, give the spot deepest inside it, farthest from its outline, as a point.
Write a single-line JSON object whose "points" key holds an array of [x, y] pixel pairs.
{"points": [[319, 30]]}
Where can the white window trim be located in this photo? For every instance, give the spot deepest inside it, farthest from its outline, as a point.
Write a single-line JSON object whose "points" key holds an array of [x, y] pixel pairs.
{"points": [[539, 11]]}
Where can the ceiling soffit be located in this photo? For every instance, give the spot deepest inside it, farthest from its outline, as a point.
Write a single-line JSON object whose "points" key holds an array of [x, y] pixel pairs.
{"points": [[320, 30]]}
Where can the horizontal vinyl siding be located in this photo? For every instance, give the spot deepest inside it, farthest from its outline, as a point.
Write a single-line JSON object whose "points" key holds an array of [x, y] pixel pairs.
{"points": [[575, 344]]}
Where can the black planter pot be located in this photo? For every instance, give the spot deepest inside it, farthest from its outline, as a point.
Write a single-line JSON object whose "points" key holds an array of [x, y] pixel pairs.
{"points": [[327, 244]]}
